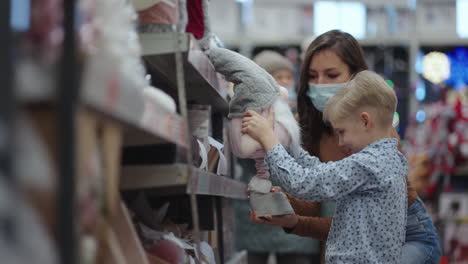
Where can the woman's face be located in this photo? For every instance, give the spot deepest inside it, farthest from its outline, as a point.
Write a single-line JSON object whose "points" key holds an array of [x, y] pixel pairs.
{"points": [[326, 67]]}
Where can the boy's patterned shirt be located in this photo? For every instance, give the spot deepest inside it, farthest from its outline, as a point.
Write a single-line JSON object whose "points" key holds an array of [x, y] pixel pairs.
{"points": [[370, 191]]}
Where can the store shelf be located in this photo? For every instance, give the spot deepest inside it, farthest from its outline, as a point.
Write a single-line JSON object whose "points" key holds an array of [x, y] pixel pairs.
{"points": [[146, 122], [176, 177], [150, 122], [202, 83], [372, 3], [382, 41], [297, 40], [239, 258]]}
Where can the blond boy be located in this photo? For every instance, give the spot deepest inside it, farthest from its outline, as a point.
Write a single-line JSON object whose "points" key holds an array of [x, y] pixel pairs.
{"points": [[369, 186]]}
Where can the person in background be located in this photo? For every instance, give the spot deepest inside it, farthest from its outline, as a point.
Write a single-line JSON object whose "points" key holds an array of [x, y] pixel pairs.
{"points": [[264, 243], [329, 62]]}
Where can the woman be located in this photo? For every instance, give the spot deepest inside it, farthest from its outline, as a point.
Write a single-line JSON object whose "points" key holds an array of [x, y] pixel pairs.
{"points": [[330, 61]]}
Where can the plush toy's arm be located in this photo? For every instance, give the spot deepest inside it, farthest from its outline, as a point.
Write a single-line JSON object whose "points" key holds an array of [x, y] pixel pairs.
{"points": [[242, 145]]}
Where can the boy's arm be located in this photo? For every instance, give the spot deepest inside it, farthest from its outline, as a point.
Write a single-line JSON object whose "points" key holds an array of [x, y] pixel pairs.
{"points": [[317, 181], [305, 159]]}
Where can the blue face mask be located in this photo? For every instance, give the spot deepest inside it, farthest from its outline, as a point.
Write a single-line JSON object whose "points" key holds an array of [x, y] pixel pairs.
{"points": [[320, 93]]}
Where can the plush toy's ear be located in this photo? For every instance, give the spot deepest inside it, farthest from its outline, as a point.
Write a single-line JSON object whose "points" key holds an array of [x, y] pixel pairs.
{"points": [[254, 88]]}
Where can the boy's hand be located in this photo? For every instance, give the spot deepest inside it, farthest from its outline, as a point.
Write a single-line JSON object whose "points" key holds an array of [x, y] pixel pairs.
{"points": [[276, 189], [260, 128]]}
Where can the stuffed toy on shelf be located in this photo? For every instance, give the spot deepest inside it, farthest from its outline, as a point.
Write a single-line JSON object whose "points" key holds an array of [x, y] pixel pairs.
{"points": [[255, 89]]}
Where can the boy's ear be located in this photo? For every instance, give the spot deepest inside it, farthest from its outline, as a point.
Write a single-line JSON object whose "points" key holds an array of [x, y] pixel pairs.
{"points": [[366, 119]]}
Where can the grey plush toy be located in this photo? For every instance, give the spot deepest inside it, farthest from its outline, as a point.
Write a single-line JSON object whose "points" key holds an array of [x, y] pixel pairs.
{"points": [[255, 89]]}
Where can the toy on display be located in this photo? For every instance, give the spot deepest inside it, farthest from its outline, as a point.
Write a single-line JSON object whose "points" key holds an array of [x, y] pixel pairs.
{"points": [[442, 135], [159, 16], [255, 89]]}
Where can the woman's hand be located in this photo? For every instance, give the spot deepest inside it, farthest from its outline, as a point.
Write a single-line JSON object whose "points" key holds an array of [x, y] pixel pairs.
{"points": [[287, 221], [260, 128], [278, 189]]}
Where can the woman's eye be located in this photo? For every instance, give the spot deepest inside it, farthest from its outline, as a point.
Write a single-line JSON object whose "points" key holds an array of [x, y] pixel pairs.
{"points": [[333, 76]]}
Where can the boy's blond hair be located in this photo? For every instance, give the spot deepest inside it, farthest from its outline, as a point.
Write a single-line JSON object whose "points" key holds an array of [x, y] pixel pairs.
{"points": [[366, 89]]}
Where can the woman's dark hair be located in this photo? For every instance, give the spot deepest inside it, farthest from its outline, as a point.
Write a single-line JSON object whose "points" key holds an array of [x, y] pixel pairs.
{"points": [[350, 52]]}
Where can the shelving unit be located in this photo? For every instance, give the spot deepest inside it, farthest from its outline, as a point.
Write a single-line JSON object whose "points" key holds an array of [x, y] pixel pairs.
{"points": [[67, 91], [191, 78], [204, 85], [7, 117], [166, 179], [125, 105], [87, 114], [240, 257]]}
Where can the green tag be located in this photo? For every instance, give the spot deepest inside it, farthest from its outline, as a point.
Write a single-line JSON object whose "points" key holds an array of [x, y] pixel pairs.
{"points": [[396, 119], [390, 83]]}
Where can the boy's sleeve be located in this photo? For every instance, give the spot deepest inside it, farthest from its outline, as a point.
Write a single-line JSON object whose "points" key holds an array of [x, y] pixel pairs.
{"points": [[317, 181], [305, 159]]}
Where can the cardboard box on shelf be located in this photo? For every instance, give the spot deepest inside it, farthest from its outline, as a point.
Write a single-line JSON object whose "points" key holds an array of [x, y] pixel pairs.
{"points": [[111, 145], [127, 237], [98, 147], [156, 260]]}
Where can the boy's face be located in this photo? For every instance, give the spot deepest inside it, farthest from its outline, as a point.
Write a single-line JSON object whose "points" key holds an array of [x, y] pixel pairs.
{"points": [[352, 133]]}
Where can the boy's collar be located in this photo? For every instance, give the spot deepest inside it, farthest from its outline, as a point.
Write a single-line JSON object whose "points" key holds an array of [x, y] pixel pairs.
{"points": [[384, 142]]}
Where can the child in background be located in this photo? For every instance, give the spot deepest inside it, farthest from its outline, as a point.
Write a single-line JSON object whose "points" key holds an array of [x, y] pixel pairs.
{"points": [[282, 70], [369, 186]]}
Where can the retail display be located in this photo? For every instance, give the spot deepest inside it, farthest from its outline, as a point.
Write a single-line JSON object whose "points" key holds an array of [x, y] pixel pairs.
{"points": [[443, 137], [210, 151], [438, 150], [119, 120], [117, 109], [154, 94], [159, 16], [197, 167], [34, 241], [454, 209], [255, 89], [113, 56]]}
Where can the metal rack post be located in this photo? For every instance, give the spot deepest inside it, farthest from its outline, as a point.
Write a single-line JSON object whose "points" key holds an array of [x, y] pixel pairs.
{"points": [[220, 226], [67, 93], [7, 112], [184, 112]]}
